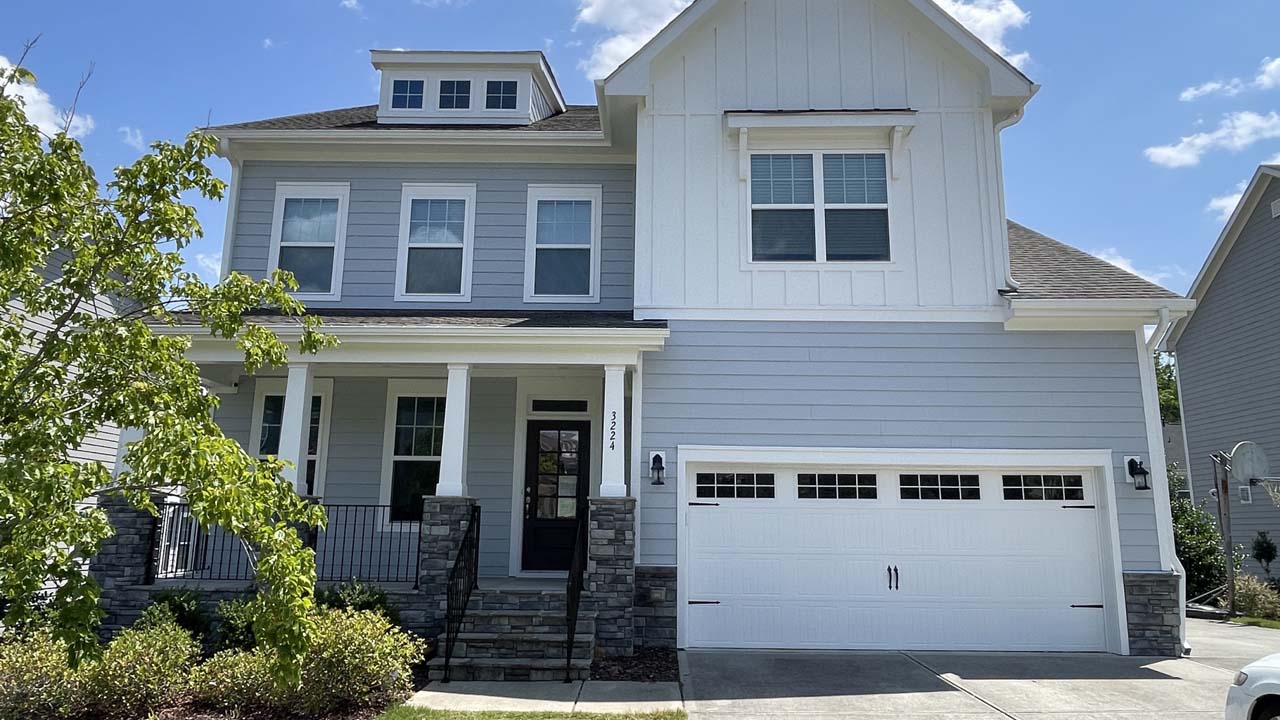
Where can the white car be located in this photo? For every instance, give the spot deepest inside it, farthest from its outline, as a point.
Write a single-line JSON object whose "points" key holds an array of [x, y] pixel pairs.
{"points": [[1255, 692]]}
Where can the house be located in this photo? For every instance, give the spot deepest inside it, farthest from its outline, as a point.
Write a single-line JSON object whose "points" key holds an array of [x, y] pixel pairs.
{"points": [[758, 310], [1226, 354]]}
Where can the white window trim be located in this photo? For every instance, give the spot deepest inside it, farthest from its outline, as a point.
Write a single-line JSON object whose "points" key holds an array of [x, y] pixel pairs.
{"points": [[323, 387], [302, 191], [538, 193], [819, 206], [397, 389], [435, 191], [437, 93], [1245, 493]]}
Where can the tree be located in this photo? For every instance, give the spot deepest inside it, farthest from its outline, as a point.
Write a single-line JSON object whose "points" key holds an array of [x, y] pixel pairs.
{"points": [[1196, 539], [1167, 386], [1264, 551], [67, 248]]}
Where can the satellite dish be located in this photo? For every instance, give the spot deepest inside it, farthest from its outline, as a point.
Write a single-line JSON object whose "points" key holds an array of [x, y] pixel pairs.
{"points": [[1248, 462]]}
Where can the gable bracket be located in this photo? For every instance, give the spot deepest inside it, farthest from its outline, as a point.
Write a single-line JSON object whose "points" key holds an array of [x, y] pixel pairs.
{"points": [[899, 139]]}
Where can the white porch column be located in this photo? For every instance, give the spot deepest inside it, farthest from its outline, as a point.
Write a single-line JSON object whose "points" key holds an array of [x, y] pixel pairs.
{"points": [[613, 457], [296, 423], [453, 454]]}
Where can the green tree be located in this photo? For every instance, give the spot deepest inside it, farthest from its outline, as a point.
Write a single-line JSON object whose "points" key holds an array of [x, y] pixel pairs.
{"points": [[67, 247], [1167, 386], [1264, 551], [1196, 539]]}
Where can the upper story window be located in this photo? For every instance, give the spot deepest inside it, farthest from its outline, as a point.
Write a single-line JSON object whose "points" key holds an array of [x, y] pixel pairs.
{"points": [[407, 94], [501, 95], [437, 230], [308, 234], [819, 207], [455, 94], [562, 247]]}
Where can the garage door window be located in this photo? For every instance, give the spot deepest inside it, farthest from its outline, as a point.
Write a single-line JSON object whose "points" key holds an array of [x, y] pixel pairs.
{"points": [[741, 486], [837, 487], [939, 487], [1043, 487]]}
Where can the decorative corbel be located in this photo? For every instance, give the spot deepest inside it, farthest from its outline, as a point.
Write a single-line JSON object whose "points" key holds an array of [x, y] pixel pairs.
{"points": [[900, 135], [744, 156]]}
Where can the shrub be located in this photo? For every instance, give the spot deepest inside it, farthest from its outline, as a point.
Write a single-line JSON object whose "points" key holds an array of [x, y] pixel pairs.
{"points": [[143, 669], [235, 625], [185, 609], [237, 680], [355, 595], [36, 683], [1264, 551], [1256, 599], [358, 659], [1196, 539]]}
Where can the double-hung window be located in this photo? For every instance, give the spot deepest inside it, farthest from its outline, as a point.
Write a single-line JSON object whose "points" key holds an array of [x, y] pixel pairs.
{"points": [[308, 234], [562, 247], [501, 95], [268, 427], [437, 236], [413, 446], [819, 207]]}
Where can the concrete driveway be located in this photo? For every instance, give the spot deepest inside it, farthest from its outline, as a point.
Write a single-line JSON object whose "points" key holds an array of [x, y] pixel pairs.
{"points": [[973, 686]]}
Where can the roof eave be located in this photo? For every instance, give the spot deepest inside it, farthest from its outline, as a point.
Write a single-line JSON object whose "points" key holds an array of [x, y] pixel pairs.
{"points": [[575, 138], [1093, 314]]}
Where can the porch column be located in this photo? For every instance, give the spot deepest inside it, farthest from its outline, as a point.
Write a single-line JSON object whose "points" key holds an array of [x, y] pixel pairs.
{"points": [[613, 458], [296, 424], [453, 454]]}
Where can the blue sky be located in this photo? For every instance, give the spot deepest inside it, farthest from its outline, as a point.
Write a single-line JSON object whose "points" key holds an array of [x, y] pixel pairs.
{"points": [[1150, 111]]}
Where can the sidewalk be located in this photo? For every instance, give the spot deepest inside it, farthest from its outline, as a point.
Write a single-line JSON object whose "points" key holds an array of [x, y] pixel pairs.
{"points": [[588, 696]]}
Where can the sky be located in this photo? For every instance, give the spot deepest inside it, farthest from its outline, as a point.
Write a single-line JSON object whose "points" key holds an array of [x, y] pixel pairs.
{"points": [[1151, 116]]}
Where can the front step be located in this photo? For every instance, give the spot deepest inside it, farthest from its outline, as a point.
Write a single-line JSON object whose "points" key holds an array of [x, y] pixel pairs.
{"points": [[543, 599], [520, 645], [524, 622], [508, 669]]}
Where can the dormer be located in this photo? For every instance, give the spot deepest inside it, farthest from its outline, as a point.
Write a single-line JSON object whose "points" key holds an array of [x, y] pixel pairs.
{"points": [[465, 88]]}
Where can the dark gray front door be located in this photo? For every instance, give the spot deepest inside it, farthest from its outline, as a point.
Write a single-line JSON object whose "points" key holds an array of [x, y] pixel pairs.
{"points": [[556, 481]]}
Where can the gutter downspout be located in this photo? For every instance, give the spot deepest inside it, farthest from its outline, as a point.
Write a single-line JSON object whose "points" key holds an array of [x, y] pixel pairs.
{"points": [[1001, 126]]}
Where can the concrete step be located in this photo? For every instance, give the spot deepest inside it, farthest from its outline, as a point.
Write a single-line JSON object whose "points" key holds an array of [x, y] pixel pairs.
{"points": [[520, 645], [508, 669]]}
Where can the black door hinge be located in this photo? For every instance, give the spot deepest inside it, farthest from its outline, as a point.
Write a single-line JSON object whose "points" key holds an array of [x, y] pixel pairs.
{"points": [[704, 602]]}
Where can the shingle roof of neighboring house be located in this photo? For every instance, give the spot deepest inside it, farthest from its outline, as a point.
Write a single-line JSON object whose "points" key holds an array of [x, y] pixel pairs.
{"points": [[444, 319], [1049, 270], [577, 118]]}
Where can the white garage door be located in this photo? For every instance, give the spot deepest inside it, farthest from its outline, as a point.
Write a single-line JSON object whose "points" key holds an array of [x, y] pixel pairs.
{"points": [[893, 559]]}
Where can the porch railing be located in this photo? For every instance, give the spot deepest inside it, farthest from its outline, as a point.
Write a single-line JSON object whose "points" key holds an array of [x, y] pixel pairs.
{"points": [[358, 542], [573, 591], [463, 578]]}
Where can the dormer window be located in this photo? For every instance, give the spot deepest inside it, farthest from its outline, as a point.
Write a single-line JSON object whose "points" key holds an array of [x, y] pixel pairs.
{"points": [[455, 94], [501, 95], [407, 94]]}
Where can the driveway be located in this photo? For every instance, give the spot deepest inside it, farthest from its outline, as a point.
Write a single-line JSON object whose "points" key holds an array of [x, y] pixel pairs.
{"points": [[973, 686]]}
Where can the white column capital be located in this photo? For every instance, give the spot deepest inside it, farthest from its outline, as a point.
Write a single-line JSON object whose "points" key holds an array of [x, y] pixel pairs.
{"points": [[458, 366]]}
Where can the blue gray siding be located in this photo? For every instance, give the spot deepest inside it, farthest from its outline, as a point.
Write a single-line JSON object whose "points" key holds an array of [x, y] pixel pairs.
{"points": [[501, 206], [893, 385], [1227, 359]]}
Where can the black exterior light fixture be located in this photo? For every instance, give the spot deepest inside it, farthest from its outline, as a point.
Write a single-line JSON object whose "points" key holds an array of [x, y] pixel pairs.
{"points": [[657, 468], [1141, 476]]}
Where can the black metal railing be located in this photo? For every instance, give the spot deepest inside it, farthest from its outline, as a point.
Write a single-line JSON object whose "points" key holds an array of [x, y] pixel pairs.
{"points": [[463, 578], [358, 542], [573, 591]]}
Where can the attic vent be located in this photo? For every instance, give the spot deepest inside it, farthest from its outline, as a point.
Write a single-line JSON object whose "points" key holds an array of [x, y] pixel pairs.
{"points": [[1275, 210]]}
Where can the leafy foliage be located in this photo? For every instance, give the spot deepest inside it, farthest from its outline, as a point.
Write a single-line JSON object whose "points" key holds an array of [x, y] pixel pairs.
{"points": [[144, 669], [1196, 539], [355, 595], [182, 606], [1167, 387], [1264, 551], [1256, 598], [239, 681], [235, 625], [90, 272], [36, 681]]}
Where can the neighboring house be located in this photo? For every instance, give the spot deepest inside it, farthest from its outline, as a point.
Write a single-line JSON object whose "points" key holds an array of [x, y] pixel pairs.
{"points": [[773, 261], [1227, 354], [1175, 448]]}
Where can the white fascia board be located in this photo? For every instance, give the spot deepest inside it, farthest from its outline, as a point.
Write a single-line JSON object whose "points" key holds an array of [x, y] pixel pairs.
{"points": [[632, 76], [586, 138], [1093, 314], [434, 352], [476, 334], [810, 119]]}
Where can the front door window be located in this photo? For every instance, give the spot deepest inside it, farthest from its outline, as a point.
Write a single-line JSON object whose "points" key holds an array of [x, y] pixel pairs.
{"points": [[556, 483]]}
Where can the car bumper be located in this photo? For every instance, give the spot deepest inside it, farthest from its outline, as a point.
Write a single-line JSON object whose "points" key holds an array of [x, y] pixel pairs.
{"points": [[1239, 704]]}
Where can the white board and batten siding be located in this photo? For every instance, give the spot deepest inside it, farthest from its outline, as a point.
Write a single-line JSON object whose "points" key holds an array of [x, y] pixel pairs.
{"points": [[946, 219]]}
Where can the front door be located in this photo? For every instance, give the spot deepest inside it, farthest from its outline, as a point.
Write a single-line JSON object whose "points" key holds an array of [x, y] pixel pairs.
{"points": [[556, 482]]}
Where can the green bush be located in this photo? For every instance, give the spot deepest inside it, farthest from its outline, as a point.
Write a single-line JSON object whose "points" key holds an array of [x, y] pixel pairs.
{"points": [[355, 595], [185, 609], [1264, 551], [358, 659], [36, 683], [1256, 599], [238, 681], [1196, 540], [235, 625], [143, 670]]}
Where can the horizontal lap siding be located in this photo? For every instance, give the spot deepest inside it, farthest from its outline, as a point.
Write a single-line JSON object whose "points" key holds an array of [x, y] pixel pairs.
{"points": [[891, 385], [373, 227], [1227, 361]]}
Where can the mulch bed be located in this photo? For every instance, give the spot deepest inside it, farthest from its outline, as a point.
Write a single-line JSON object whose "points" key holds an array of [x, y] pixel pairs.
{"points": [[646, 665]]}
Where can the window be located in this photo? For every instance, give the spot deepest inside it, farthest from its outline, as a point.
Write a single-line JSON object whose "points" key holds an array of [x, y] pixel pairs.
{"points": [[1044, 487], [437, 228], [414, 436], [836, 487], [939, 487], [562, 248], [308, 236], [820, 207], [743, 486], [268, 425], [501, 95], [1246, 495], [559, 406], [407, 94], [455, 94]]}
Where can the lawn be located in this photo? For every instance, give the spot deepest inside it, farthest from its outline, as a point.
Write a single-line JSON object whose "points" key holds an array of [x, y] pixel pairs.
{"points": [[1257, 622], [408, 713]]}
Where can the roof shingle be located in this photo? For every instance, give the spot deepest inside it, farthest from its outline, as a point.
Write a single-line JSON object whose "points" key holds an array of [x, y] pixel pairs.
{"points": [[1049, 270], [577, 118]]}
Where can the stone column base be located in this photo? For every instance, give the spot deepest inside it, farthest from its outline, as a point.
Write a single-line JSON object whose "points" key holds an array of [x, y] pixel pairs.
{"points": [[444, 522], [610, 588], [1153, 603]]}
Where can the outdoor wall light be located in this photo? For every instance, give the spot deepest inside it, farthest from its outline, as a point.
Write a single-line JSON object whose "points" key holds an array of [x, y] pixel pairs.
{"points": [[1141, 476], [657, 468]]}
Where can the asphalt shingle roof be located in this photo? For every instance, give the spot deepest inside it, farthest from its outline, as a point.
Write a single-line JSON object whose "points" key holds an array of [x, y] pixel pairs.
{"points": [[577, 118], [1049, 270], [445, 319]]}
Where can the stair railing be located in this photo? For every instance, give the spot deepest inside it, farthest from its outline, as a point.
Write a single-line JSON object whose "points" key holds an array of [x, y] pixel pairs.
{"points": [[573, 593], [463, 578]]}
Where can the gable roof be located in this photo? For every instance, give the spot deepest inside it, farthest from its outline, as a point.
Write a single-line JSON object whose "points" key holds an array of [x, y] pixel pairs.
{"points": [[576, 118], [1049, 270]]}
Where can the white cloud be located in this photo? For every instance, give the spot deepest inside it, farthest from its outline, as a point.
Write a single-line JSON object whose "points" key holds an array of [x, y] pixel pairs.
{"points": [[991, 20], [1224, 205], [41, 112], [209, 266], [132, 137], [1157, 276], [1235, 132], [268, 43], [351, 5], [1266, 78]]}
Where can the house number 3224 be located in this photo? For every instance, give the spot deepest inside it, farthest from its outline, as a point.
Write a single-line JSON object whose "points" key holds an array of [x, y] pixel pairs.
{"points": [[613, 430]]}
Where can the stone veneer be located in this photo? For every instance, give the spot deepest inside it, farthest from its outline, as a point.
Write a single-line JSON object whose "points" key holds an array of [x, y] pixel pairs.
{"points": [[655, 610], [610, 587], [1153, 602], [444, 522]]}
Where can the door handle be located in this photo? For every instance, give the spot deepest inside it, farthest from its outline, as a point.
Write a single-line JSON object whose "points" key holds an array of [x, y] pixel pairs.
{"points": [[890, 571], [896, 584]]}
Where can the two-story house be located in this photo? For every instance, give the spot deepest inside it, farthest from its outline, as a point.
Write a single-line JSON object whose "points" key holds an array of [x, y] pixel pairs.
{"points": [[758, 311]]}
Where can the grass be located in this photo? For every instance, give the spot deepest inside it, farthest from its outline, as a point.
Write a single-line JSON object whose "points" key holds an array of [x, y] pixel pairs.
{"points": [[1258, 622], [408, 713]]}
